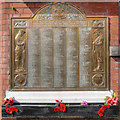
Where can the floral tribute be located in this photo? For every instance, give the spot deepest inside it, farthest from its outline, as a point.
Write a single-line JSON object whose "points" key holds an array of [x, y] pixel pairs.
{"points": [[9, 102], [60, 106], [84, 103], [108, 102]]}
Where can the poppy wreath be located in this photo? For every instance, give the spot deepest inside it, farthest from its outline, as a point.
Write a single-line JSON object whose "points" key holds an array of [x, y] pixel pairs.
{"points": [[60, 106], [109, 102], [102, 109], [9, 102]]}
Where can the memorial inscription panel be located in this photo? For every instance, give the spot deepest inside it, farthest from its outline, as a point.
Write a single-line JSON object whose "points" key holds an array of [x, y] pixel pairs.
{"points": [[59, 49]]}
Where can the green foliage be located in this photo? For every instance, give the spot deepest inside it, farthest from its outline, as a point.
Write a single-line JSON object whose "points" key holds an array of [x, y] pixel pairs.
{"points": [[106, 98], [67, 104]]}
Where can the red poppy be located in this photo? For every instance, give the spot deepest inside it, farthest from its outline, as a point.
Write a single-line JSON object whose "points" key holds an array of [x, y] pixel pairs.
{"points": [[14, 109], [62, 107], [115, 100], [10, 101], [100, 112], [8, 110], [104, 107], [108, 106], [11, 109], [109, 101], [6, 102], [57, 109]]}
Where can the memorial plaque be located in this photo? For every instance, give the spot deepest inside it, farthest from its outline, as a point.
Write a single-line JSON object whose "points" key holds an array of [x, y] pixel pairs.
{"points": [[59, 48]]}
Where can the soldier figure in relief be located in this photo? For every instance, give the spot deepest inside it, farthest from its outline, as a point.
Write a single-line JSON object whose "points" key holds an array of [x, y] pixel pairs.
{"points": [[97, 45], [19, 51]]}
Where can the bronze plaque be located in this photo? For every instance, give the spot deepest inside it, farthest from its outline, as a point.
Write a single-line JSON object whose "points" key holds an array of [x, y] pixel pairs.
{"points": [[59, 48]]}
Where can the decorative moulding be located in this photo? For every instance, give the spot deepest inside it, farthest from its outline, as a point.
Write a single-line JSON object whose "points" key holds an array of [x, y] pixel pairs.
{"points": [[51, 96]]}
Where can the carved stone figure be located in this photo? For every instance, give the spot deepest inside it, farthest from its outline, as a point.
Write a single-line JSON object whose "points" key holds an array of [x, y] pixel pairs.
{"points": [[19, 51], [97, 45]]}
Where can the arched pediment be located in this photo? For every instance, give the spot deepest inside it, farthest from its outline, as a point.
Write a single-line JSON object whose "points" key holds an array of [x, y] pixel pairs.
{"points": [[59, 11]]}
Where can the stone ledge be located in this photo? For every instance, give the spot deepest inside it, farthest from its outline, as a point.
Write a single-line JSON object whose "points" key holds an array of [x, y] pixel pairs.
{"points": [[72, 111], [51, 96], [114, 51]]}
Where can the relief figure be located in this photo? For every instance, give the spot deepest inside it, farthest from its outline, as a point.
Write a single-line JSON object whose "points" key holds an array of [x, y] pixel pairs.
{"points": [[19, 51], [97, 45]]}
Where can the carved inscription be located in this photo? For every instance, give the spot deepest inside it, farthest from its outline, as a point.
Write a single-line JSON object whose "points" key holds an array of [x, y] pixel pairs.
{"points": [[72, 56], [59, 40], [84, 57]]}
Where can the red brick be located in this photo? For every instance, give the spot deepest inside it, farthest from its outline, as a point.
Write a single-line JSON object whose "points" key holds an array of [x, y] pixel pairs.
{"points": [[15, 15], [92, 4], [5, 5], [114, 70], [115, 10], [19, 5], [25, 15], [5, 66], [114, 65], [5, 22], [99, 10], [6, 39], [88, 10], [114, 43], [33, 10], [99, 4], [10, 5], [31, 5], [114, 76], [110, 4], [27, 10], [84, 4], [4, 27], [4, 16], [6, 32], [114, 32], [10, 11], [19, 10], [114, 20], [39, 4], [114, 37], [114, 27], [109, 10], [114, 82]]}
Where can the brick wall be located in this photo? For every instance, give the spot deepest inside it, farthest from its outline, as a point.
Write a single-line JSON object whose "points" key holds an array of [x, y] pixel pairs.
{"points": [[28, 9]]}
